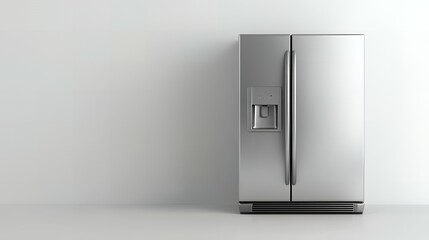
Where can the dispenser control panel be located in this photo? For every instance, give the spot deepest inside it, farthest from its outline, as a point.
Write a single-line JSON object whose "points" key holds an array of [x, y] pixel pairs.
{"points": [[264, 108]]}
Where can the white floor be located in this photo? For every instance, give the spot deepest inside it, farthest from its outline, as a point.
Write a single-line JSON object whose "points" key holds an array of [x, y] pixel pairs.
{"points": [[202, 222]]}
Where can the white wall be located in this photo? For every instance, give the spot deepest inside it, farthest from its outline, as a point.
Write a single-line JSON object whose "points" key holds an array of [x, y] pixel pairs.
{"points": [[131, 101]]}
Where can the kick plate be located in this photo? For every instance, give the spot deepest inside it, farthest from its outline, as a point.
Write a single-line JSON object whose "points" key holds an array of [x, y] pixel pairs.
{"points": [[302, 207]]}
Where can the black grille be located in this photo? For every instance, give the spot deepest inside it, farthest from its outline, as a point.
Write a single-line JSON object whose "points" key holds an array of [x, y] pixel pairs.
{"points": [[303, 207]]}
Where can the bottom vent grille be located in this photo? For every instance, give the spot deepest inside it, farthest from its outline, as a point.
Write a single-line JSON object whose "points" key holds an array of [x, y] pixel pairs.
{"points": [[303, 207]]}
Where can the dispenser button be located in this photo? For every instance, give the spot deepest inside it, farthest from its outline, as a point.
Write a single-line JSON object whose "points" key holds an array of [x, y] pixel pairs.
{"points": [[264, 111]]}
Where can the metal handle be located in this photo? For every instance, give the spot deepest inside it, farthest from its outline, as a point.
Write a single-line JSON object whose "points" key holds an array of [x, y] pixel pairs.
{"points": [[287, 111], [294, 118]]}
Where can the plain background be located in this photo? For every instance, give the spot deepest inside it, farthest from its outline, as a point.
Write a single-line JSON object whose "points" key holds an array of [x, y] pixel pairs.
{"points": [[131, 101]]}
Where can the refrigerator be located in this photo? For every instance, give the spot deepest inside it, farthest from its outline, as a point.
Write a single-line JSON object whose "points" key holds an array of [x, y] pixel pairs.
{"points": [[301, 123]]}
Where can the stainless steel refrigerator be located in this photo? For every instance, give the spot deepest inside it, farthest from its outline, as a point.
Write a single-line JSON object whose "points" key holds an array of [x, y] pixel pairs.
{"points": [[301, 123]]}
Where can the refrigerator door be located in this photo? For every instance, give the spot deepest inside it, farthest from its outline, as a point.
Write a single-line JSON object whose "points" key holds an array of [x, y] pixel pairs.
{"points": [[263, 166], [328, 117]]}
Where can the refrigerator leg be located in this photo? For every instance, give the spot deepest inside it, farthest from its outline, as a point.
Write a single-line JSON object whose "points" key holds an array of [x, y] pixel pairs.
{"points": [[359, 207], [245, 207]]}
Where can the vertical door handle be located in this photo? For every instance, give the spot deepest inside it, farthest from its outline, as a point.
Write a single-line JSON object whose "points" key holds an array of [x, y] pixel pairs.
{"points": [[294, 167], [287, 114]]}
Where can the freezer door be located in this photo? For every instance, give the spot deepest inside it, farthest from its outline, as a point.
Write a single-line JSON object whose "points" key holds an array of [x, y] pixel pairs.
{"points": [[328, 118], [263, 171]]}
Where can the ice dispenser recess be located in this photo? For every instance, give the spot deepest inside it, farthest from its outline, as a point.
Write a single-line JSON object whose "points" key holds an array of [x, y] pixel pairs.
{"points": [[264, 116], [264, 108]]}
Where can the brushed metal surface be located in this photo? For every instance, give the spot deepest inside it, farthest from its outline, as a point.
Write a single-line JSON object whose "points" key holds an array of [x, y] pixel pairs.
{"points": [[262, 153], [329, 116]]}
